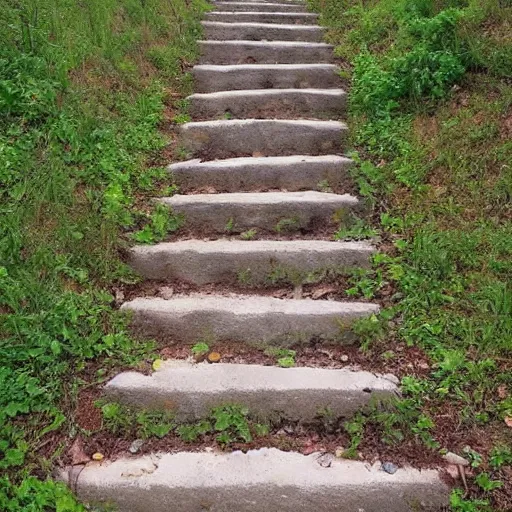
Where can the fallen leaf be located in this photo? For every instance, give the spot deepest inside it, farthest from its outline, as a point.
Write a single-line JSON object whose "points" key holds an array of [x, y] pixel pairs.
{"points": [[508, 421], [322, 291], [502, 391], [157, 364], [77, 454], [98, 456], [214, 357]]}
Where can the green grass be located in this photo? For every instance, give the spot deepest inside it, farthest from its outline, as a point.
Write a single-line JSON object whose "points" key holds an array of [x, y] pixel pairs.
{"points": [[431, 123], [84, 90]]}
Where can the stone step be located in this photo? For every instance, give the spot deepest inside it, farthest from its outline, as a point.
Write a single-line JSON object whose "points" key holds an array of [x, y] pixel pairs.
{"points": [[246, 262], [209, 78], [273, 103], [298, 18], [241, 211], [252, 319], [262, 137], [265, 479], [293, 173], [295, 394], [221, 31], [260, 6], [264, 52]]}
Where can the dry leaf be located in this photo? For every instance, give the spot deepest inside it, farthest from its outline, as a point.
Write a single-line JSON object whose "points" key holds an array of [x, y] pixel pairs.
{"points": [[502, 391], [214, 357], [76, 452], [324, 290], [508, 421], [157, 364], [98, 456]]}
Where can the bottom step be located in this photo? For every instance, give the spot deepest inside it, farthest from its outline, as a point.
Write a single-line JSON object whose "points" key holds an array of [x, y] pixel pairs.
{"points": [[266, 479]]}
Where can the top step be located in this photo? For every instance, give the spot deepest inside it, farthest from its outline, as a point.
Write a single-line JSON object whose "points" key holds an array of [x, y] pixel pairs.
{"points": [[260, 6]]}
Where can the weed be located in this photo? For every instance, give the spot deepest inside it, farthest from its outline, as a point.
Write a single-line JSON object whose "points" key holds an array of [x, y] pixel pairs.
{"points": [[285, 358], [249, 235], [230, 423], [129, 422], [160, 223], [230, 225], [288, 225], [323, 186], [200, 348]]}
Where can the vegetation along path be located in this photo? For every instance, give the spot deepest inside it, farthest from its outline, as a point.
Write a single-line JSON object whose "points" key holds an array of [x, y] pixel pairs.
{"points": [[267, 144], [277, 279]]}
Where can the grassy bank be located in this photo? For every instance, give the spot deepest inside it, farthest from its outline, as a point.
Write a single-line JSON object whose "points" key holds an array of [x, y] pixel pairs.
{"points": [[431, 119], [88, 91]]}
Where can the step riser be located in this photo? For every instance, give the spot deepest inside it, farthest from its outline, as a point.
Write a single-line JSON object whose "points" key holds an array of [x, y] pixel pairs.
{"points": [[221, 53], [263, 17], [250, 263], [249, 174], [257, 321], [298, 394], [228, 139], [277, 104], [218, 31], [250, 77], [259, 7], [267, 479], [305, 211]]}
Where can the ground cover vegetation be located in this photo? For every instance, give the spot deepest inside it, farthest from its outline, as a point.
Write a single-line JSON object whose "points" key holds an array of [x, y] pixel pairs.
{"points": [[88, 91], [431, 123]]}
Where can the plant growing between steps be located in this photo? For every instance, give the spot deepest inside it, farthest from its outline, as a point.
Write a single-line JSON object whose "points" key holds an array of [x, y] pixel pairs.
{"points": [[160, 222], [285, 358]]}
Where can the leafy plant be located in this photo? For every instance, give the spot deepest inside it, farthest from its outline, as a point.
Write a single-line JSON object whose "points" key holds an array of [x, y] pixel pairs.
{"points": [[200, 348]]}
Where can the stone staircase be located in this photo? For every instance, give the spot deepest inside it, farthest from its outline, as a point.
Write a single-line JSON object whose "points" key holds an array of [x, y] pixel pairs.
{"points": [[265, 136]]}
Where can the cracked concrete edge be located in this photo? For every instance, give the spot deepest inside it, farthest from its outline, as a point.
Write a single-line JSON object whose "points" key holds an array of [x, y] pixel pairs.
{"points": [[259, 479]]}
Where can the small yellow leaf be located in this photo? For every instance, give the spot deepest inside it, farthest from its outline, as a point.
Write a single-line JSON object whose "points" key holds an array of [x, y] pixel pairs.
{"points": [[98, 456], [157, 364], [214, 357]]}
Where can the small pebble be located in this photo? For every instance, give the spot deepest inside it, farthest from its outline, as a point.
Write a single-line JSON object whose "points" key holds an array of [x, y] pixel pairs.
{"points": [[136, 445], [340, 452], [344, 358], [389, 467]]}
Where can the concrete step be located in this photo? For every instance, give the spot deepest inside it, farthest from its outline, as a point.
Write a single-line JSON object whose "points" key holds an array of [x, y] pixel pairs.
{"points": [[210, 78], [293, 173], [297, 394], [307, 210], [260, 6], [260, 321], [305, 18], [273, 103], [220, 31], [266, 479], [246, 262], [264, 137], [264, 52]]}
